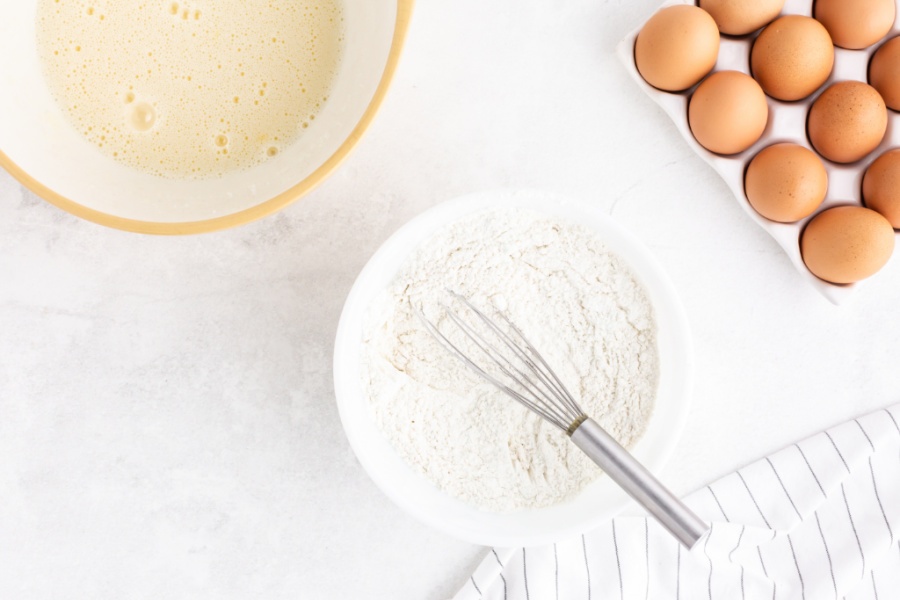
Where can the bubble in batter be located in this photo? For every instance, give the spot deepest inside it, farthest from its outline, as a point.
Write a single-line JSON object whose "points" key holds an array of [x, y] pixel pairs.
{"points": [[190, 89], [143, 117]]}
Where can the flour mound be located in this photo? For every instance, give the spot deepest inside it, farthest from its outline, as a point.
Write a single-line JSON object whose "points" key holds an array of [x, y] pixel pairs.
{"points": [[577, 302]]}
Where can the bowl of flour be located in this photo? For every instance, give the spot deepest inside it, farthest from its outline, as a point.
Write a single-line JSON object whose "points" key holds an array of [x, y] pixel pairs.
{"points": [[451, 449]]}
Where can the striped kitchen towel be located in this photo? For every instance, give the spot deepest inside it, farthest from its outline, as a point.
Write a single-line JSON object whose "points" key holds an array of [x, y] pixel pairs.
{"points": [[819, 519]]}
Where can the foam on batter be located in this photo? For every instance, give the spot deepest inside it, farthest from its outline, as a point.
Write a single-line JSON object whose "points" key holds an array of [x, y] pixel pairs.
{"points": [[193, 88]]}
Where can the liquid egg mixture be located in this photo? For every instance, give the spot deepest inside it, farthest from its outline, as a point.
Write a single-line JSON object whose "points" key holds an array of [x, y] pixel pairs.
{"points": [[190, 89]]}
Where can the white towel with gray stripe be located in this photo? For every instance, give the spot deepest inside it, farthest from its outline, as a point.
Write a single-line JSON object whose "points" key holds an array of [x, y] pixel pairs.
{"points": [[819, 519]]}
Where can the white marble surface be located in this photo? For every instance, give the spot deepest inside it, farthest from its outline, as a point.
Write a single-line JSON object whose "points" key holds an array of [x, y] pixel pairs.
{"points": [[167, 422]]}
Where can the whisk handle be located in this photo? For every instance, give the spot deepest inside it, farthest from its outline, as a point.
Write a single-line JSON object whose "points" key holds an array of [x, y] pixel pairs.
{"points": [[640, 484]]}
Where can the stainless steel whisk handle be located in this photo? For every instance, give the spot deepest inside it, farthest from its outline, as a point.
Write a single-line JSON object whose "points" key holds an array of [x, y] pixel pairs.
{"points": [[640, 484]]}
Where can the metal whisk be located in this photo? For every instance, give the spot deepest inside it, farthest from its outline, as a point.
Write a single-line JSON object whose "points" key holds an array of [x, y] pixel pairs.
{"points": [[513, 364]]}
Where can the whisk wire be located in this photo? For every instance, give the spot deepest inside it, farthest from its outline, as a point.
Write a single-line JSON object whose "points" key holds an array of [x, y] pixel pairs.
{"points": [[454, 349], [548, 375], [527, 353], [506, 366], [553, 379], [519, 369]]}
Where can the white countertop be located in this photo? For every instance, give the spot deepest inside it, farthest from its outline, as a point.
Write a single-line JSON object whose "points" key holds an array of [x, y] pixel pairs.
{"points": [[167, 420]]}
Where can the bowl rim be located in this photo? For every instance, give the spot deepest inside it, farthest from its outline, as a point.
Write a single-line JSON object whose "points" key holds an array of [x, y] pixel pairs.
{"points": [[415, 494], [263, 209]]}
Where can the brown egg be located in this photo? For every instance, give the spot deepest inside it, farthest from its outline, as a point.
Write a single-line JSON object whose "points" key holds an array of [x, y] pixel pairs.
{"points": [[847, 121], [792, 57], [856, 24], [786, 182], [884, 73], [728, 112], [739, 17], [881, 186], [846, 244], [677, 47]]}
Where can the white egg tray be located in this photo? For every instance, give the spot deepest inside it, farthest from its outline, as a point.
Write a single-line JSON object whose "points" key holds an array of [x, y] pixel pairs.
{"points": [[787, 123]]}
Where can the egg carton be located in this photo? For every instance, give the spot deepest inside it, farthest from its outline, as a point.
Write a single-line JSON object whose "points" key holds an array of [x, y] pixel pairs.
{"points": [[787, 123]]}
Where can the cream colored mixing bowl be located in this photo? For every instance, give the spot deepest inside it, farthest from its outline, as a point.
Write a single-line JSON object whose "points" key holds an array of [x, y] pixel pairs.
{"points": [[42, 150]]}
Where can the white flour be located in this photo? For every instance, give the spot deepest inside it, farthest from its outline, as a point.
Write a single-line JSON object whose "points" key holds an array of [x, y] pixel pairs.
{"points": [[578, 303]]}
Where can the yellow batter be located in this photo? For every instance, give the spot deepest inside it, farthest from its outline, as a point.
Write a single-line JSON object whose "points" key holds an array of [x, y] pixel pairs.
{"points": [[193, 88]]}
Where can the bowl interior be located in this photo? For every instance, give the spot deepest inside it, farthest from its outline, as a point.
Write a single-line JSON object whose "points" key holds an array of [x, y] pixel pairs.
{"points": [[602, 499], [37, 138]]}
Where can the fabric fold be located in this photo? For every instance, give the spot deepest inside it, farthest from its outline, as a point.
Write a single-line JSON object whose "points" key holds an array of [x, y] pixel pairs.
{"points": [[817, 519]]}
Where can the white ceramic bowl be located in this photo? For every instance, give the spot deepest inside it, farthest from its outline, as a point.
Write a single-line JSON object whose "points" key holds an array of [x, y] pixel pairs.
{"points": [[41, 149], [418, 496]]}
